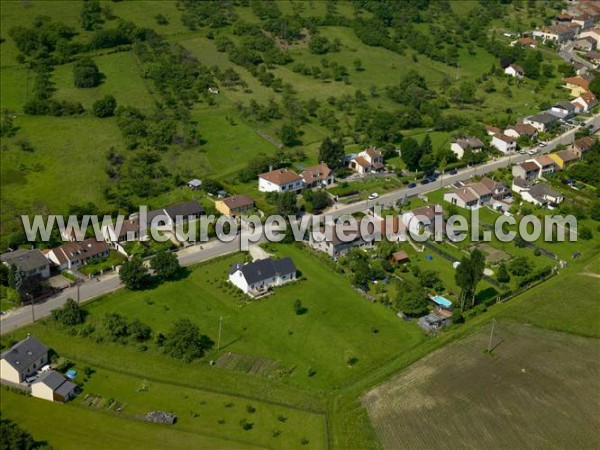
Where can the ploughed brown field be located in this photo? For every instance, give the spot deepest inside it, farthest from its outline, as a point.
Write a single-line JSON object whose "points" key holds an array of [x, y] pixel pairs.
{"points": [[538, 389]]}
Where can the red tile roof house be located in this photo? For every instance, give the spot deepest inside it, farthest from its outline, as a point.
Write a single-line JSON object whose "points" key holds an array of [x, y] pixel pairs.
{"points": [[583, 145], [367, 161], [317, 176], [76, 254], [585, 101], [280, 180], [521, 129]]}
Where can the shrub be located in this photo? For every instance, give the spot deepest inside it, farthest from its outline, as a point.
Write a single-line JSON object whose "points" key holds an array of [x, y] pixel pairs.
{"points": [[70, 314], [86, 73], [105, 107]]}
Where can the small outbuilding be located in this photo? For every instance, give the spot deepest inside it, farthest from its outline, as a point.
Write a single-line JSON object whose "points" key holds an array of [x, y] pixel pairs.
{"points": [[195, 184], [54, 387], [399, 257]]}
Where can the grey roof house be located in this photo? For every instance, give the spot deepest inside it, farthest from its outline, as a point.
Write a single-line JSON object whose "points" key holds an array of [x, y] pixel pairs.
{"points": [[542, 122], [54, 387], [31, 262], [23, 360], [257, 277]]}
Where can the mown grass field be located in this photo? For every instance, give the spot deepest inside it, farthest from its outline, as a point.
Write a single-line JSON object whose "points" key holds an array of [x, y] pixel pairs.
{"points": [[97, 430], [338, 324], [541, 385], [312, 350]]}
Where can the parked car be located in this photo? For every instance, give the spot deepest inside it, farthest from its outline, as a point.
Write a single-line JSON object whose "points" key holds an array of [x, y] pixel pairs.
{"points": [[425, 181], [531, 152], [453, 172], [412, 185], [542, 144], [432, 178], [373, 196]]}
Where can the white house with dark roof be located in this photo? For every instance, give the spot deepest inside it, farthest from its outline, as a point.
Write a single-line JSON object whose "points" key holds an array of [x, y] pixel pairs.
{"points": [[167, 218], [30, 262], [257, 277], [23, 360], [542, 122], [460, 145], [280, 180], [564, 110], [514, 71], [541, 194]]}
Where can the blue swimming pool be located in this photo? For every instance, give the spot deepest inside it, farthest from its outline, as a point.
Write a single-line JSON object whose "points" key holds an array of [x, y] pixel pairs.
{"points": [[442, 301]]}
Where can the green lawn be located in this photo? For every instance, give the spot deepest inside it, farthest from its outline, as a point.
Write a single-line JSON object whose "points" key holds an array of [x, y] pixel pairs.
{"points": [[114, 259], [569, 302], [45, 178], [338, 325], [122, 80], [96, 430]]}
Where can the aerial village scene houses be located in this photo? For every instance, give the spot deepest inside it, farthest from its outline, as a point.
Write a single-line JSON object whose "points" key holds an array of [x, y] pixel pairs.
{"points": [[238, 337]]}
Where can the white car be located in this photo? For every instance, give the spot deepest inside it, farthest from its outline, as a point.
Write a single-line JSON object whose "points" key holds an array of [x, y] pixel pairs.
{"points": [[373, 196], [542, 144], [532, 152]]}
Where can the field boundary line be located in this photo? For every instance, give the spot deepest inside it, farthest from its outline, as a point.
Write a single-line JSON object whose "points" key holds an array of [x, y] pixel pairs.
{"points": [[190, 386]]}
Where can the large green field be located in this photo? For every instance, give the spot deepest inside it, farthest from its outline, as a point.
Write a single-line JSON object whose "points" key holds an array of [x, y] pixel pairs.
{"points": [[338, 324]]}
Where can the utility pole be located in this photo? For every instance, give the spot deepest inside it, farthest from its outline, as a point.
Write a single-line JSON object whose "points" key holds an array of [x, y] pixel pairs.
{"points": [[489, 349], [32, 310], [78, 283], [219, 336]]}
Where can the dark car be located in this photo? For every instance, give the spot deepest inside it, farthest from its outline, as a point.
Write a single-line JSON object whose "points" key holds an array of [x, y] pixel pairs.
{"points": [[432, 178], [453, 172], [425, 181], [412, 185]]}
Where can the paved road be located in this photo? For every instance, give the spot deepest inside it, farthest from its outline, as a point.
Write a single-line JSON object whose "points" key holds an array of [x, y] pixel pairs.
{"points": [[567, 52], [95, 288], [462, 175], [198, 253]]}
